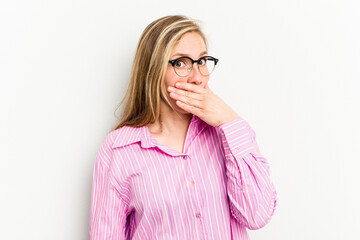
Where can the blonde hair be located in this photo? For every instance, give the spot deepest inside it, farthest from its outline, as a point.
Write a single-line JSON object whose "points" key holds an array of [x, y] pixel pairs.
{"points": [[146, 86]]}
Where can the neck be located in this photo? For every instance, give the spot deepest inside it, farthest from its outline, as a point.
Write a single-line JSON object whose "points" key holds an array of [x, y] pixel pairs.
{"points": [[170, 122]]}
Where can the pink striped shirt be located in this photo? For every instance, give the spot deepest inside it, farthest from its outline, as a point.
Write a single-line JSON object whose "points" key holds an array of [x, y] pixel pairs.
{"points": [[215, 189]]}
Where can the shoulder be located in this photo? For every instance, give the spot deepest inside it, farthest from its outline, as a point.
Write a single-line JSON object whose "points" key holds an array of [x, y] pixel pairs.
{"points": [[116, 139], [123, 136]]}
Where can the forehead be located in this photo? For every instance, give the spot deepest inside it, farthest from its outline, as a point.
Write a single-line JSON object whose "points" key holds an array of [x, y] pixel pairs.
{"points": [[190, 44]]}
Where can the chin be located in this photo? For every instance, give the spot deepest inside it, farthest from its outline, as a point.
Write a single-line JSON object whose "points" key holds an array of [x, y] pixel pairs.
{"points": [[183, 111], [176, 108], [180, 110]]}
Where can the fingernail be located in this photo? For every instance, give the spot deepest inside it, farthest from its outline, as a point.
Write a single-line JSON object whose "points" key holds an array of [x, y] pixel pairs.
{"points": [[177, 84], [170, 88]]}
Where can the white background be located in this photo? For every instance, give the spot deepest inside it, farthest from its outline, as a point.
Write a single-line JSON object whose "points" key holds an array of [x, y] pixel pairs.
{"points": [[291, 68]]}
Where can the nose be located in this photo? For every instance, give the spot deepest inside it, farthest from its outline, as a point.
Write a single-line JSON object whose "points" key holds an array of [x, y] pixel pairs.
{"points": [[195, 76]]}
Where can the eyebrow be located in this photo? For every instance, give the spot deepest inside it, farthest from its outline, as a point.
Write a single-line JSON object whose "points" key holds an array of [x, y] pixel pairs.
{"points": [[186, 55]]}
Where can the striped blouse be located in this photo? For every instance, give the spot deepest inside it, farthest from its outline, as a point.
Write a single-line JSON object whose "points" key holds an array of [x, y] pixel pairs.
{"points": [[215, 189]]}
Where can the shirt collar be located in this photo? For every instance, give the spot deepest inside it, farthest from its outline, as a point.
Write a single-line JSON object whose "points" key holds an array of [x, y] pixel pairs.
{"points": [[129, 135], [197, 125]]}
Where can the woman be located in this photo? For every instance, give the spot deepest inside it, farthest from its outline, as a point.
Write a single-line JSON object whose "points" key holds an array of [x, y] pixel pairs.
{"points": [[181, 164]]}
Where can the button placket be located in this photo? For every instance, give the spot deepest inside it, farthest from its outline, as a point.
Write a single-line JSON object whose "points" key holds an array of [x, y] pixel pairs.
{"points": [[194, 197]]}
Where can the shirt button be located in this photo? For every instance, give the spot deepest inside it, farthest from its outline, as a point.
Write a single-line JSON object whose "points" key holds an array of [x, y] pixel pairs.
{"points": [[236, 150], [198, 215], [192, 182], [185, 157]]}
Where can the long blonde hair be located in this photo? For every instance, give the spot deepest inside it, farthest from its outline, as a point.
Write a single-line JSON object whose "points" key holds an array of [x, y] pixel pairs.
{"points": [[146, 86]]}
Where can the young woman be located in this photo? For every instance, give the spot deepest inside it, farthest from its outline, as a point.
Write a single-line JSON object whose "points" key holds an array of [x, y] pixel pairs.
{"points": [[180, 164]]}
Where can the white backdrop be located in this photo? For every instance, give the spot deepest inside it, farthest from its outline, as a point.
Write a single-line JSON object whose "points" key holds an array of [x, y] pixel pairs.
{"points": [[291, 68]]}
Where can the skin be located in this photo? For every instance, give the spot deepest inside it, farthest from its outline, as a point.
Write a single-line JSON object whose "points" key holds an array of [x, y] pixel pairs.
{"points": [[189, 95]]}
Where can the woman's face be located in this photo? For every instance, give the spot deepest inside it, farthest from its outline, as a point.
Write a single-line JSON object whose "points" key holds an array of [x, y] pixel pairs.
{"points": [[191, 45]]}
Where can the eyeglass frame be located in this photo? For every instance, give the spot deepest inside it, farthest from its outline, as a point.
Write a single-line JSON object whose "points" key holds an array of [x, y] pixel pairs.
{"points": [[172, 62]]}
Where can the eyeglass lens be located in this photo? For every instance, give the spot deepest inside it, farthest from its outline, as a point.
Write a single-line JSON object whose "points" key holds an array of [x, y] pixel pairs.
{"points": [[183, 66]]}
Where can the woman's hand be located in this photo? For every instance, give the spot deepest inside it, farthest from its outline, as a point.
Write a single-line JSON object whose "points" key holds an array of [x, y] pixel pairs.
{"points": [[203, 103]]}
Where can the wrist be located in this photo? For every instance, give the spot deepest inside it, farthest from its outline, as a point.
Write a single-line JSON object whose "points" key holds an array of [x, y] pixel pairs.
{"points": [[228, 119]]}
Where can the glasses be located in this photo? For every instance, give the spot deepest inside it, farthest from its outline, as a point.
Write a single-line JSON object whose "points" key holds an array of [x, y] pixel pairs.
{"points": [[184, 65]]}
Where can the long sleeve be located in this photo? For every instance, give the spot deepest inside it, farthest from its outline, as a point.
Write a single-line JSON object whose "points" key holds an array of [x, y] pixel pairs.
{"points": [[108, 210], [251, 194]]}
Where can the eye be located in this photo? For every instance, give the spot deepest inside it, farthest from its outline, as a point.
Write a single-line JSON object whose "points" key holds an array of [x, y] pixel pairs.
{"points": [[180, 63], [202, 62]]}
